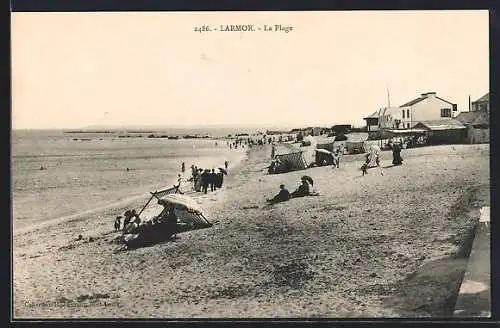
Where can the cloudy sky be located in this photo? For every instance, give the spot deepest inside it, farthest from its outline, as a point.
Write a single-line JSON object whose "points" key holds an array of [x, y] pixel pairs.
{"points": [[73, 70]]}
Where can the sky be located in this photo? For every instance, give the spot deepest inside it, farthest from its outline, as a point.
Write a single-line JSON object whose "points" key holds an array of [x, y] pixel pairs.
{"points": [[72, 70]]}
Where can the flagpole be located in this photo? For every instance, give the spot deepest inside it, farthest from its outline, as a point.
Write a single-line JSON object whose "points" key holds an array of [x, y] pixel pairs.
{"points": [[388, 98]]}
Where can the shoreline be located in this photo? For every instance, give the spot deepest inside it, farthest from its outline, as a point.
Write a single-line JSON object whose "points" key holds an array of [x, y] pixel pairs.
{"points": [[20, 227], [341, 254]]}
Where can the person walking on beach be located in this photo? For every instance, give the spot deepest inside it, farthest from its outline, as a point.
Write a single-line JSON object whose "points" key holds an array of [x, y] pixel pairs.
{"points": [[226, 164], [183, 167], [273, 151], [396, 155], [336, 158]]}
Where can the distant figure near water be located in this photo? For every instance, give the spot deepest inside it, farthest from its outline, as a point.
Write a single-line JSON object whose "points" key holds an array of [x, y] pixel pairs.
{"points": [[183, 167], [226, 164]]}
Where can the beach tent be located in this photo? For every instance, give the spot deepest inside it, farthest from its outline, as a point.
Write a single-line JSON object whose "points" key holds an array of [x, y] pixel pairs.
{"points": [[355, 143], [159, 194], [355, 147], [295, 160], [189, 214], [291, 158], [324, 157], [326, 143], [157, 228]]}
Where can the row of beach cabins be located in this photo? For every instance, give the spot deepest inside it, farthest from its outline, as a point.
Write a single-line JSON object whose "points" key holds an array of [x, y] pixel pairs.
{"points": [[425, 120]]}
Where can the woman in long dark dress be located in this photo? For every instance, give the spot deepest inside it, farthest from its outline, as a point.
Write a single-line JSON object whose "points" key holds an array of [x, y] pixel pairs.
{"points": [[396, 155]]}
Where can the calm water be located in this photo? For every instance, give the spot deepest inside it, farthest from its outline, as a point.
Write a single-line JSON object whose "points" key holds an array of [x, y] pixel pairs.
{"points": [[84, 174]]}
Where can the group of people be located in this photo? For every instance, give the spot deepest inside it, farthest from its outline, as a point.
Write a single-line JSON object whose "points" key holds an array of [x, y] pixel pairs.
{"points": [[302, 191], [138, 233], [205, 179], [374, 156]]}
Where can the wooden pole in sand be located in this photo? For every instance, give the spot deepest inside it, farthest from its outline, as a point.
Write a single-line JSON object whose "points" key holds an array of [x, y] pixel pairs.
{"points": [[146, 204]]}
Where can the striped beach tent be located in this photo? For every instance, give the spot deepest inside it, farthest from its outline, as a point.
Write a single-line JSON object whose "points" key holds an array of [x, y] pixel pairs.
{"points": [[189, 214], [296, 160], [159, 194]]}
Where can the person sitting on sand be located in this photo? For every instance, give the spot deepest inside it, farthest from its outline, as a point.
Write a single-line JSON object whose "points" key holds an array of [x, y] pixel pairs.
{"points": [[167, 220], [130, 217], [302, 190], [282, 196]]}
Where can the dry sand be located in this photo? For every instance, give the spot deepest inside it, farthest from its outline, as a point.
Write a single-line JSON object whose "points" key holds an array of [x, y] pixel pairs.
{"points": [[390, 244]]}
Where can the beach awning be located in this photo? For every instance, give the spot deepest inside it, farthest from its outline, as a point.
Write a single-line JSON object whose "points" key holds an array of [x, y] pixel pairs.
{"points": [[445, 124], [181, 202], [407, 131], [324, 151], [186, 210]]}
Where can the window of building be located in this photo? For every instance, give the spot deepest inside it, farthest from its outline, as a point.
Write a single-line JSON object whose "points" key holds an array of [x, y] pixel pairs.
{"points": [[403, 113], [482, 107], [445, 112], [407, 125], [408, 113]]}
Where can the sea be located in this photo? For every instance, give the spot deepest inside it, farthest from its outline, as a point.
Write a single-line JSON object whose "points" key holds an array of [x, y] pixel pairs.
{"points": [[83, 171]]}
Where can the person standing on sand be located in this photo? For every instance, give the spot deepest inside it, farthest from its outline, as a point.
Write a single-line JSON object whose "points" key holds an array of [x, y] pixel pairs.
{"points": [[226, 164], [205, 176], [213, 180], [396, 155], [273, 151], [183, 167]]}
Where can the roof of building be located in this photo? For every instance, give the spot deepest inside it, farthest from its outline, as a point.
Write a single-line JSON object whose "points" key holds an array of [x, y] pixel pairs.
{"points": [[423, 97], [407, 131], [474, 118], [484, 98], [414, 101], [373, 115], [444, 124]]}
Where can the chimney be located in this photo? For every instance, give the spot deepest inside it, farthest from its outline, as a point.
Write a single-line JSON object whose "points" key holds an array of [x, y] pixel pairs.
{"points": [[429, 94]]}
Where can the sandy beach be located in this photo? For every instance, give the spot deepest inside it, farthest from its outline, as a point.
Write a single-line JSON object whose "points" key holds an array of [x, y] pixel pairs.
{"points": [[389, 244]]}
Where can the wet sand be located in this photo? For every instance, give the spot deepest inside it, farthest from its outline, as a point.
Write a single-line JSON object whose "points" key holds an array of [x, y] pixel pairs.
{"points": [[388, 244]]}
